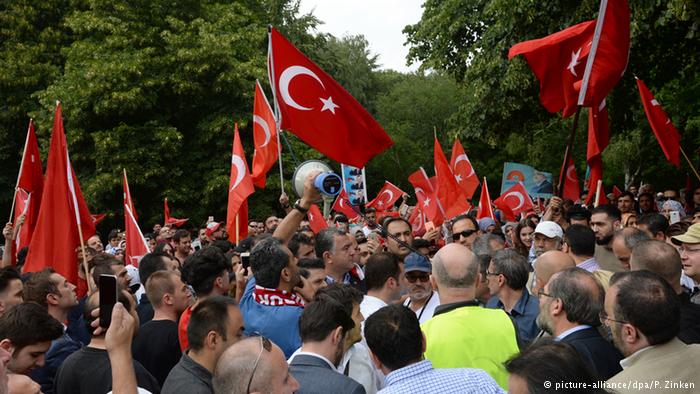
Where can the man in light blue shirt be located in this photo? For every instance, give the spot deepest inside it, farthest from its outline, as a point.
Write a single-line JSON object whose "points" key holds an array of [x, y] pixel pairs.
{"points": [[397, 345]]}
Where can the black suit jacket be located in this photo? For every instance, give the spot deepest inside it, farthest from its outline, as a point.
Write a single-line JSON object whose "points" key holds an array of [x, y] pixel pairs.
{"points": [[600, 354], [315, 376]]}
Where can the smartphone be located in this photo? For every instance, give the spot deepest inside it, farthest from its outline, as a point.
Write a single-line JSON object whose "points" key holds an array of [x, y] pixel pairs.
{"points": [[403, 210], [674, 217], [108, 297], [245, 260]]}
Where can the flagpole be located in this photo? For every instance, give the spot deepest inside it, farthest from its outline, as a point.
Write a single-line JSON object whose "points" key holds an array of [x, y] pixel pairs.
{"points": [[237, 230], [598, 190], [19, 174], [278, 115], [686, 158], [567, 152], [594, 48]]}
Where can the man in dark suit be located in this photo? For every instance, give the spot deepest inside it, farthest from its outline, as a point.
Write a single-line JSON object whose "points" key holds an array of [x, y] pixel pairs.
{"points": [[323, 326], [570, 306]]}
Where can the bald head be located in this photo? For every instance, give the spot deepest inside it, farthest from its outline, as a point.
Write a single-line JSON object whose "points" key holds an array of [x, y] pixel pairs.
{"points": [[455, 267], [659, 258], [235, 366], [548, 264], [552, 262]]}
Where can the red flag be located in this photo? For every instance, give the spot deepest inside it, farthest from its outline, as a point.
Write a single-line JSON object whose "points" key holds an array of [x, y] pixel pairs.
{"points": [[514, 201], [665, 132], [448, 191], [425, 194], [240, 187], [342, 205], [598, 139], [386, 197], [417, 220], [559, 60], [30, 183], [463, 170], [616, 192], [316, 220], [170, 221], [127, 195], [97, 218], [264, 136], [485, 210], [571, 188], [136, 245], [318, 110], [62, 210]]}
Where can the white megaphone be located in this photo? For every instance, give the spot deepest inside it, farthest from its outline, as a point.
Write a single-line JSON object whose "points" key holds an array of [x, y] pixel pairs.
{"points": [[328, 183]]}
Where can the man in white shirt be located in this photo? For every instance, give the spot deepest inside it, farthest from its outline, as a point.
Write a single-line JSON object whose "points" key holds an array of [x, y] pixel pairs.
{"points": [[383, 280], [422, 299]]}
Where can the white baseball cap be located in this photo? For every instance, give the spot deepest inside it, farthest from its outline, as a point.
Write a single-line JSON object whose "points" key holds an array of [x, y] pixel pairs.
{"points": [[549, 229]]}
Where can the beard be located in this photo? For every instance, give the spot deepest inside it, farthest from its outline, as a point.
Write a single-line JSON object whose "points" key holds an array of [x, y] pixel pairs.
{"points": [[338, 355], [419, 293], [543, 323], [605, 240]]}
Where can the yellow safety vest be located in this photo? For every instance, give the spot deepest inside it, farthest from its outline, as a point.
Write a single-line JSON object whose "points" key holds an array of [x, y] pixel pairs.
{"points": [[472, 337]]}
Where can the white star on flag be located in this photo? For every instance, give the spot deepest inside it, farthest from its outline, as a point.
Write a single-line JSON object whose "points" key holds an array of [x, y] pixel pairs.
{"points": [[426, 202], [328, 104], [458, 178], [574, 61]]}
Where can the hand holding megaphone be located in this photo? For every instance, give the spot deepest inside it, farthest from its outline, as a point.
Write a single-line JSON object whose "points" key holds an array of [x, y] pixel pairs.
{"points": [[311, 194]]}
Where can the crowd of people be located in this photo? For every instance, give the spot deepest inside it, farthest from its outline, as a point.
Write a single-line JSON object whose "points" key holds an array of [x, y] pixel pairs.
{"points": [[568, 299]]}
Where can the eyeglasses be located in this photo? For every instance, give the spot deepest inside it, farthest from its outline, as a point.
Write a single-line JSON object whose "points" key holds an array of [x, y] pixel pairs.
{"points": [[416, 278], [492, 273], [264, 344], [683, 249], [465, 234], [604, 316], [541, 293]]}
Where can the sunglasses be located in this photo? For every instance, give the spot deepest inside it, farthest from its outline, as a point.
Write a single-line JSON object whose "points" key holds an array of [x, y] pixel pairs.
{"points": [[264, 344], [416, 278], [466, 234]]}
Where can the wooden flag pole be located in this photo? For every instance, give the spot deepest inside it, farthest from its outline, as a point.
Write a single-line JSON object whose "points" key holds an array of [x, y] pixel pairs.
{"points": [[238, 236], [686, 158], [19, 174], [598, 190], [85, 263], [567, 152]]}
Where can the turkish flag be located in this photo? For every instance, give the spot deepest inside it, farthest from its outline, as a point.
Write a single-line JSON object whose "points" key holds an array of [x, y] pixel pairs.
{"points": [[426, 196], [127, 195], [342, 205], [665, 132], [485, 210], [571, 190], [98, 217], [316, 220], [559, 60], [386, 197], [136, 245], [463, 170], [417, 220], [450, 194], [170, 221], [514, 201], [318, 110], [240, 187], [62, 210], [598, 139], [30, 184], [616, 192], [264, 136]]}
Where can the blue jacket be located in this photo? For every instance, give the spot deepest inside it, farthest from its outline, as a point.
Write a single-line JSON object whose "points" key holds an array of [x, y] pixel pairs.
{"points": [[60, 349], [278, 323]]}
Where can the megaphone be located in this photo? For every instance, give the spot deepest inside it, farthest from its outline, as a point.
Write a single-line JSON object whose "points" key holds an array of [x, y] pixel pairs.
{"points": [[327, 182]]}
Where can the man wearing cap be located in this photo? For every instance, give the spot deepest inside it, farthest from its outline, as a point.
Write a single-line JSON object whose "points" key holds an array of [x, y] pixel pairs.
{"points": [[690, 256], [422, 299], [548, 236], [216, 231]]}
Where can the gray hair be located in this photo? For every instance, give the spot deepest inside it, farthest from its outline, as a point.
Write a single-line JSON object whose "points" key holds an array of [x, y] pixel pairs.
{"points": [[579, 302], [325, 240], [513, 266], [465, 280], [632, 236], [482, 244]]}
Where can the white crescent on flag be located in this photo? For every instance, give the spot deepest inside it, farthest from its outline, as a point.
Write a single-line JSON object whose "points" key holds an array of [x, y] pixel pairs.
{"points": [[569, 172], [266, 128], [240, 170], [286, 78], [519, 196], [463, 157]]}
